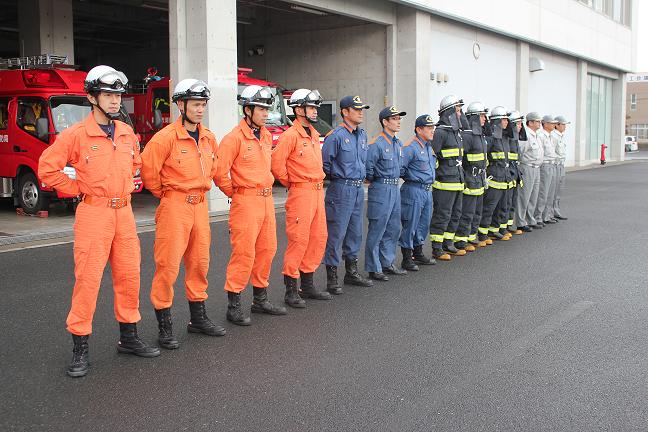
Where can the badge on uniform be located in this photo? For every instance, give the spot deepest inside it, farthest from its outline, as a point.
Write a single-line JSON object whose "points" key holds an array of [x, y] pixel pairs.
{"points": [[305, 144], [183, 151], [386, 150], [249, 148], [94, 147], [346, 140]]}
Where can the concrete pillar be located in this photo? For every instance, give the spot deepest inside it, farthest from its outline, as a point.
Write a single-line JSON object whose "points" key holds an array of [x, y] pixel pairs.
{"points": [[522, 78], [579, 124], [202, 42], [412, 69], [45, 27], [617, 146]]}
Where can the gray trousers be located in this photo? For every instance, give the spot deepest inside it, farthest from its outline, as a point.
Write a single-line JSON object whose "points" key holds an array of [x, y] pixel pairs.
{"points": [[545, 194], [527, 196], [560, 185]]}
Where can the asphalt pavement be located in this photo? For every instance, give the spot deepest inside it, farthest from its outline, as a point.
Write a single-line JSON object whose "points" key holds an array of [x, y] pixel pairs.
{"points": [[546, 332]]}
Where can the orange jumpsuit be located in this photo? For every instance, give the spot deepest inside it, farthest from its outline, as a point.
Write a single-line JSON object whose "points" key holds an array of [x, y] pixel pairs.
{"points": [[244, 174], [180, 172], [297, 164], [104, 227]]}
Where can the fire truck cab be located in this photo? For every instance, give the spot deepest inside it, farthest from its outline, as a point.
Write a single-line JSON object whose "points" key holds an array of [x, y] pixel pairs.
{"points": [[40, 96]]}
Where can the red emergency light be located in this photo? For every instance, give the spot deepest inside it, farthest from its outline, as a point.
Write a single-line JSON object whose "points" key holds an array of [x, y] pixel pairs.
{"points": [[42, 78]]}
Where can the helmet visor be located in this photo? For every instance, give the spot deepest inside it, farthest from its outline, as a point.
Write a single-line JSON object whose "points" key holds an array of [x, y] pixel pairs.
{"points": [[113, 81], [198, 90]]}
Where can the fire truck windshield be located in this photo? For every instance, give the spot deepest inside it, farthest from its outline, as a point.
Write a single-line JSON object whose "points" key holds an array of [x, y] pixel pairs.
{"points": [[276, 113], [67, 110]]}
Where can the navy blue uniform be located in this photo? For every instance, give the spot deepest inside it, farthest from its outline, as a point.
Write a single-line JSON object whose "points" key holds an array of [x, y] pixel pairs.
{"points": [[418, 169], [383, 202], [344, 155]]}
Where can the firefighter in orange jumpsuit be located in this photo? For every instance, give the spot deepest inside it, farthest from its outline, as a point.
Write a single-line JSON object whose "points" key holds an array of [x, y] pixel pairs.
{"points": [[297, 164], [178, 165], [105, 155], [244, 175]]}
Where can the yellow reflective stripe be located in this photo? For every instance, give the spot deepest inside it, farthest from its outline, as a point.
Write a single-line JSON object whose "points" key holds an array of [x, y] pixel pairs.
{"points": [[503, 226], [497, 155], [472, 237], [509, 222], [475, 157], [493, 229], [474, 192], [460, 238], [448, 235], [453, 152], [511, 184], [448, 186], [497, 185], [513, 156], [482, 230], [437, 238]]}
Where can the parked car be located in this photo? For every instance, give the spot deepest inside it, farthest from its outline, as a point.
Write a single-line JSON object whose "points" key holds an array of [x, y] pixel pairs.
{"points": [[631, 143]]}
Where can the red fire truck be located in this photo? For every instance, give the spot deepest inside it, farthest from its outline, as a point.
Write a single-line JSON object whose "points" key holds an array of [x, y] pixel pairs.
{"points": [[39, 97], [149, 107]]}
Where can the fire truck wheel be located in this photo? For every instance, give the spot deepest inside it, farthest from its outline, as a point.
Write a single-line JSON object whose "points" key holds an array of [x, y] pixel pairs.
{"points": [[30, 196]]}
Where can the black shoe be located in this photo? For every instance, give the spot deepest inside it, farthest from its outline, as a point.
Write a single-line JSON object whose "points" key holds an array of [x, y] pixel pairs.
{"points": [[352, 277], [542, 224], [261, 304], [130, 343], [379, 276], [474, 242], [561, 218], [448, 246], [526, 228], [234, 311], [537, 226], [482, 237], [392, 269], [332, 284], [200, 323], [307, 288], [80, 363], [495, 235], [460, 244], [165, 326], [292, 297], [549, 221], [408, 262]]}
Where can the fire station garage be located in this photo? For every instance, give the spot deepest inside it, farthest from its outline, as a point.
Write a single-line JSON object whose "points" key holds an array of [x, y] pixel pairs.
{"points": [[402, 52]]}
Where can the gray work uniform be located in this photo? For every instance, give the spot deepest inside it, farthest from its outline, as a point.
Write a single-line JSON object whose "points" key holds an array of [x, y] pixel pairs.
{"points": [[547, 177], [530, 157], [561, 152]]}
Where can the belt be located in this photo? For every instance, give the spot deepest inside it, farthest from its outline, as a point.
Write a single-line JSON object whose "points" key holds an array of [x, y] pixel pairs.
{"points": [[349, 182], [183, 196], [308, 185], [264, 192], [426, 186], [387, 181], [531, 165], [114, 203], [549, 162]]}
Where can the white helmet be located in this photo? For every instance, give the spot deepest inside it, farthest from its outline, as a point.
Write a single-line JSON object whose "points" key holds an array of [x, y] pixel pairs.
{"points": [[476, 108], [515, 116], [190, 88], [105, 79], [305, 97], [449, 101], [499, 112], [256, 95]]}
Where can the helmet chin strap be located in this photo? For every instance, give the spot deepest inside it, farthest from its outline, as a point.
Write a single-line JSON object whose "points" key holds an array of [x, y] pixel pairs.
{"points": [[310, 120], [185, 118], [248, 118], [111, 116]]}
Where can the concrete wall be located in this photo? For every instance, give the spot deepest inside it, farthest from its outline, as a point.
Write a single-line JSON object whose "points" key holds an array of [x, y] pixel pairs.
{"points": [[553, 91], [491, 78], [338, 62], [564, 25]]}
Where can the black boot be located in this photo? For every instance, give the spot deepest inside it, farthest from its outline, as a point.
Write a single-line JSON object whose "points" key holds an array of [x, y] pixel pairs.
{"points": [[165, 326], [448, 246], [379, 276], [292, 298], [420, 258], [261, 304], [460, 244], [392, 269], [307, 288], [495, 235], [352, 276], [408, 263], [474, 242], [332, 284], [234, 311], [200, 322], [130, 343], [80, 363]]}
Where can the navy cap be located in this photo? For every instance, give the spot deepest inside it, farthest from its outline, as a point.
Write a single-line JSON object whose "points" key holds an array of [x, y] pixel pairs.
{"points": [[424, 120], [352, 102], [390, 112]]}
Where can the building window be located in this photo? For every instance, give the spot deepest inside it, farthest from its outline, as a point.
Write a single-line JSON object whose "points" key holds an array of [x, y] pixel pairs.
{"points": [[633, 102], [599, 114], [617, 10]]}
